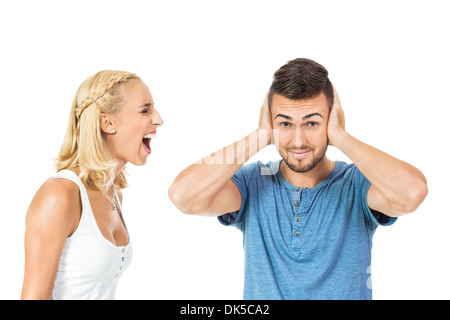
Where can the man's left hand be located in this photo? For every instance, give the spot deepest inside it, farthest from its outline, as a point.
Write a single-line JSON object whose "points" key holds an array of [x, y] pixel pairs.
{"points": [[336, 120]]}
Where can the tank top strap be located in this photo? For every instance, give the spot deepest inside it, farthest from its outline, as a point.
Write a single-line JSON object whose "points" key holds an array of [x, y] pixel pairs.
{"points": [[70, 175], [116, 197]]}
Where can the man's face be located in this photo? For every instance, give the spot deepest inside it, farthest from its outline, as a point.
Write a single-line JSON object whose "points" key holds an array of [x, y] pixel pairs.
{"points": [[302, 130]]}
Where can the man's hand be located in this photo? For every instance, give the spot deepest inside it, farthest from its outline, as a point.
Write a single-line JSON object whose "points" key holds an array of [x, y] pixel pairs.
{"points": [[336, 120], [265, 120]]}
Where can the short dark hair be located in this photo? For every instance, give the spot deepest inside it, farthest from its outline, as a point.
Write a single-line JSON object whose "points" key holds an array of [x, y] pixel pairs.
{"points": [[301, 78]]}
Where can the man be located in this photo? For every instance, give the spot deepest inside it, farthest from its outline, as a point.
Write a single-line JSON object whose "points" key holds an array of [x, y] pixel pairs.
{"points": [[307, 221]]}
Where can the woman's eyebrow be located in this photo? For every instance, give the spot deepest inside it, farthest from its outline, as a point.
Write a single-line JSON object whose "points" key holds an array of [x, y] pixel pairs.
{"points": [[146, 105]]}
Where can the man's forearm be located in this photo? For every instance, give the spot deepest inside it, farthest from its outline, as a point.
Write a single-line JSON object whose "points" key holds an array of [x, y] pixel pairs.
{"points": [[401, 184], [197, 185], [237, 153]]}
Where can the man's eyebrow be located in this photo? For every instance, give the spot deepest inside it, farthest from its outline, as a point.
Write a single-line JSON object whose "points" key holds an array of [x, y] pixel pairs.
{"points": [[312, 115], [283, 116], [304, 118]]}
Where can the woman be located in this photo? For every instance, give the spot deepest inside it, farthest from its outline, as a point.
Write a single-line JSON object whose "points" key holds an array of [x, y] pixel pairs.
{"points": [[76, 242]]}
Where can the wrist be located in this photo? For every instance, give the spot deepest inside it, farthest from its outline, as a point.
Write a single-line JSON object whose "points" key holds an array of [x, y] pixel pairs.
{"points": [[264, 137]]}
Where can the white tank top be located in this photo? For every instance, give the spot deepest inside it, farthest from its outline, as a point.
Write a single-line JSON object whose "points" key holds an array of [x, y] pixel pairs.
{"points": [[90, 265]]}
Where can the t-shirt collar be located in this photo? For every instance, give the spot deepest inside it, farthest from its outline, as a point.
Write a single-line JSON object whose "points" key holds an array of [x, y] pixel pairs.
{"points": [[319, 186]]}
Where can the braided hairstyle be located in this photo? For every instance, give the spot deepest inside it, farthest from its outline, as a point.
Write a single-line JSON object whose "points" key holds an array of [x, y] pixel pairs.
{"points": [[84, 147]]}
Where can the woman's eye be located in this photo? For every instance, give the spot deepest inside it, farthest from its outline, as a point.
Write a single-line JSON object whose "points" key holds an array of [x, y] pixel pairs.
{"points": [[145, 110]]}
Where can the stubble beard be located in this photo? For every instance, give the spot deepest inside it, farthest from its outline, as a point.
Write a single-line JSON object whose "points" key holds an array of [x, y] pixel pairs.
{"points": [[300, 166]]}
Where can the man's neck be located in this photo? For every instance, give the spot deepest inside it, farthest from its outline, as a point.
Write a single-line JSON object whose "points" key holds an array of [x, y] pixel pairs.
{"points": [[308, 179]]}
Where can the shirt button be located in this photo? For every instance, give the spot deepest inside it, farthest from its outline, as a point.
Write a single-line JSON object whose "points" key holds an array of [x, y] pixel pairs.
{"points": [[123, 249], [296, 203], [297, 233], [123, 258], [299, 219], [298, 189]]}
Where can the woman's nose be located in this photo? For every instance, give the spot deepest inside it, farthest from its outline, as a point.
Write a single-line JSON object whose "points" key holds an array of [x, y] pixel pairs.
{"points": [[157, 120]]}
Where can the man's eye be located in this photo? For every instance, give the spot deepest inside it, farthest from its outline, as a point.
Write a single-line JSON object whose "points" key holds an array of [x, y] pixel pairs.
{"points": [[285, 124], [312, 124]]}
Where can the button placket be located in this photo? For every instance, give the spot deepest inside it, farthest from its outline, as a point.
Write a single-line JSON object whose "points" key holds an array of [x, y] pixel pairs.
{"points": [[297, 225], [296, 199]]}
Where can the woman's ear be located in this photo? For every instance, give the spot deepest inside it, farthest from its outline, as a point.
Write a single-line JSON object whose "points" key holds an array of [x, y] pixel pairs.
{"points": [[106, 124]]}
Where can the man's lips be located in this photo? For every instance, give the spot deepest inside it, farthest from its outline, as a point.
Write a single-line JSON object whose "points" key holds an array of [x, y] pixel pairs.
{"points": [[299, 154]]}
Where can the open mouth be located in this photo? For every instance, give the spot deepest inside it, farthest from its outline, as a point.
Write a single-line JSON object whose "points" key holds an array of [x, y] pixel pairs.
{"points": [[146, 141]]}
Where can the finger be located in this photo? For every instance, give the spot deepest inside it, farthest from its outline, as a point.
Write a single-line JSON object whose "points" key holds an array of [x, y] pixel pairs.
{"points": [[335, 93], [266, 100], [337, 101]]}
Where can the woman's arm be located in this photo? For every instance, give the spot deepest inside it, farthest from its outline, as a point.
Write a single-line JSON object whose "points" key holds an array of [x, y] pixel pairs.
{"points": [[53, 215]]}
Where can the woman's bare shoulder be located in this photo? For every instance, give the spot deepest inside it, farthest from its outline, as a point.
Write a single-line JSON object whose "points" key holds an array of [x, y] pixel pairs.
{"points": [[56, 204]]}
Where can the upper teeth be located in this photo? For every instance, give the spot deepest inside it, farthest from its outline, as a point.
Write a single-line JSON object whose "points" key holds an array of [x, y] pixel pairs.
{"points": [[150, 136]]}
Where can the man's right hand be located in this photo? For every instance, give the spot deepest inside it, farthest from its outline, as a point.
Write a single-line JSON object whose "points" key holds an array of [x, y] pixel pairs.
{"points": [[265, 119]]}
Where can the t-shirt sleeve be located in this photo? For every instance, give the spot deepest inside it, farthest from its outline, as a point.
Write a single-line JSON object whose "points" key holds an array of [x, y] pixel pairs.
{"points": [[240, 179], [372, 222]]}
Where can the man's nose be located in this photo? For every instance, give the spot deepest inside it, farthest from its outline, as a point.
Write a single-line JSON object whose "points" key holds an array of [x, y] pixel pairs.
{"points": [[299, 137]]}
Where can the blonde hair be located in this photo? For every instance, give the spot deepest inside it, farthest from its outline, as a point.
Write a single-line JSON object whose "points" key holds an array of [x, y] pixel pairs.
{"points": [[84, 146]]}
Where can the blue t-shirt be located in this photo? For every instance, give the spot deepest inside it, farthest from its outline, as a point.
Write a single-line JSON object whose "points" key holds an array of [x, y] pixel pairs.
{"points": [[305, 243]]}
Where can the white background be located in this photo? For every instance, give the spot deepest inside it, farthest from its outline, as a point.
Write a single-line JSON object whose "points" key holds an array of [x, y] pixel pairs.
{"points": [[208, 65]]}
